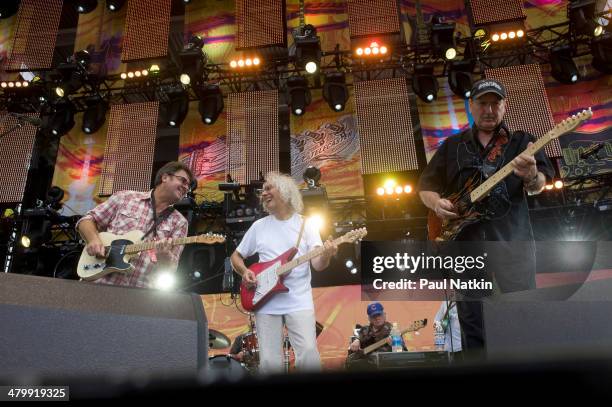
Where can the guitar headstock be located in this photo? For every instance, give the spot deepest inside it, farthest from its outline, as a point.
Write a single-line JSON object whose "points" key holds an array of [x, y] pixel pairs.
{"points": [[353, 235], [210, 238], [571, 123], [416, 325]]}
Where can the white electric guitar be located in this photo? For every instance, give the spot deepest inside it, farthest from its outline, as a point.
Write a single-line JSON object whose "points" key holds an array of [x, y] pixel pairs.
{"points": [[119, 249]]}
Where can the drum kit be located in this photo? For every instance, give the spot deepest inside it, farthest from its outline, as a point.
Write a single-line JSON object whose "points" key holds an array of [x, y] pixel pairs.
{"points": [[249, 349]]}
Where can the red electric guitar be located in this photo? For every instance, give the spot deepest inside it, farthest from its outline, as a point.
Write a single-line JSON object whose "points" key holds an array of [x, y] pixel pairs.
{"points": [[270, 274]]}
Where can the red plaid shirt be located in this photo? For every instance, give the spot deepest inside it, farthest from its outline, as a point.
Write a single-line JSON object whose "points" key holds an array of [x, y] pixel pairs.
{"points": [[125, 211]]}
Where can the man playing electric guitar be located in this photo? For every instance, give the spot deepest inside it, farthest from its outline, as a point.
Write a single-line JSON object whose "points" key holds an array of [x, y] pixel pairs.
{"points": [[471, 157], [150, 212], [270, 237]]}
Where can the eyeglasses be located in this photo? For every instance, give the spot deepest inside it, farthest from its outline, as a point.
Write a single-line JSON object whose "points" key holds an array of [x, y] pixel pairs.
{"points": [[183, 180]]}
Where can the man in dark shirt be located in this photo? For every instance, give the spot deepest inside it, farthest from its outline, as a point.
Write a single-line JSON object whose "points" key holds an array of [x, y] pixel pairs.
{"points": [[483, 150]]}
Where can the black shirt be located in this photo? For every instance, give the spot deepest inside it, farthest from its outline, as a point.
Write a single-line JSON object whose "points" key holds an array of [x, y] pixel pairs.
{"points": [[461, 155]]}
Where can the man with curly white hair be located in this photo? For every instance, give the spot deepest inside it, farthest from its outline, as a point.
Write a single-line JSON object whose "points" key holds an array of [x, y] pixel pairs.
{"points": [[270, 237]]}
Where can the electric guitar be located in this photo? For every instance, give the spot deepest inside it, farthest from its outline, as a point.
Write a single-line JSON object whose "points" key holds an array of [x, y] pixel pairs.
{"points": [[362, 353], [469, 202], [119, 249], [270, 274]]}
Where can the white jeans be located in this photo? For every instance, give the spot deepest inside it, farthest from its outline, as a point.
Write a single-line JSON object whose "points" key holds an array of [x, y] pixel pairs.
{"points": [[302, 335]]}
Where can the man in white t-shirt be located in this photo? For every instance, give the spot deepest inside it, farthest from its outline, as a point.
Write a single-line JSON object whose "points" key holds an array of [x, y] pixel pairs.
{"points": [[270, 237]]}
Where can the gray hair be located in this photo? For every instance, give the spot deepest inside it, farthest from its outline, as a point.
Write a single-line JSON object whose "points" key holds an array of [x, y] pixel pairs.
{"points": [[288, 190]]}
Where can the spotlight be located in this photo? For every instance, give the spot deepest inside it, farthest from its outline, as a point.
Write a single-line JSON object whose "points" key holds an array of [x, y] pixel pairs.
{"points": [[298, 94], [349, 263], [443, 38], [86, 6], [193, 60], [9, 8], [460, 78], [83, 58], [312, 176], [211, 103], [562, 66], [380, 191], [354, 270], [70, 77], [317, 221], [558, 184], [114, 5], [601, 48], [308, 49], [61, 121], [335, 91], [154, 69], [407, 189], [583, 18], [424, 83], [174, 111], [165, 281], [25, 241], [95, 114]]}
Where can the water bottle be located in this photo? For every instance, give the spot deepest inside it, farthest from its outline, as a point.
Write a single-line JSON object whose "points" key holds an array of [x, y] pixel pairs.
{"points": [[396, 339], [439, 337]]}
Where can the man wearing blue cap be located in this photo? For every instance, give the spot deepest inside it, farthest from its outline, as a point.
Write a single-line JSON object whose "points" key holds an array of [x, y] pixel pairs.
{"points": [[482, 150], [378, 329]]}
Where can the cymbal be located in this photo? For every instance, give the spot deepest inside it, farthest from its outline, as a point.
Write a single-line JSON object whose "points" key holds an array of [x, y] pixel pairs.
{"points": [[217, 340]]}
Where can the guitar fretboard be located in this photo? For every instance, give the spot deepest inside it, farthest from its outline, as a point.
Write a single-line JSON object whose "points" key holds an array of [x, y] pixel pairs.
{"points": [[287, 267], [139, 247], [483, 189]]}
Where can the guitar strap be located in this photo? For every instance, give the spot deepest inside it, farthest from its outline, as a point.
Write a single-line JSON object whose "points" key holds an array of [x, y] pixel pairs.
{"points": [[156, 220], [297, 245]]}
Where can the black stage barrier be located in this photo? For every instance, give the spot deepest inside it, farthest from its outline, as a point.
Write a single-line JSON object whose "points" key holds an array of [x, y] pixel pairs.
{"points": [[57, 328], [551, 322]]}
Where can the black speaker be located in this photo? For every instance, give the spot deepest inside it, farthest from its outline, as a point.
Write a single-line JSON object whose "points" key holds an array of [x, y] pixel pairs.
{"points": [[569, 320], [56, 327]]}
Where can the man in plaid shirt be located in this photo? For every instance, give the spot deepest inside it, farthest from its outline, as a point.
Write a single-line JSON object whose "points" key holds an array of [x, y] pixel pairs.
{"points": [[125, 211]]}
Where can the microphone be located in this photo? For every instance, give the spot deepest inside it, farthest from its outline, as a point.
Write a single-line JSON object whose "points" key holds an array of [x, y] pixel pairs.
{"points": [[34, 121], [592, 150]]}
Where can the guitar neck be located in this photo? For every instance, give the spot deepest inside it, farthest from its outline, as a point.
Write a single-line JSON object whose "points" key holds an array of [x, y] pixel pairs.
{"points": [[483, 189], [287, 267], [139, 247], [371, 348]]}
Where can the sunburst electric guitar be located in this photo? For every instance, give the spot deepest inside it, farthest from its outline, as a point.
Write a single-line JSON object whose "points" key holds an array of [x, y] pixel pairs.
{"points": [[470, 203]]}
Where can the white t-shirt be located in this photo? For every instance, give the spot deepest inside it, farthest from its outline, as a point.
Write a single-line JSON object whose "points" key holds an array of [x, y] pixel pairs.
{"points": [[271, 237]]}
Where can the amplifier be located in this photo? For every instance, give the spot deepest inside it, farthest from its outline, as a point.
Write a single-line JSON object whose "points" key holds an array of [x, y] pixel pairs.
{"points": [[398, 360]]}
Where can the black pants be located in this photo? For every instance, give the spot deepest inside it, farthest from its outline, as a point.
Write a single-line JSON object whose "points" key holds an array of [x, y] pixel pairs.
{"points": [[472, 327]]}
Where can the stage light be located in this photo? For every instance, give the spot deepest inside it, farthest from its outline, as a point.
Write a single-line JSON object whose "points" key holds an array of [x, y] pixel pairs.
{"points": [[95, 114], [61, 121], [503, 36], [69, 78], [308, 49], [354, 270], [558, 184], [359, 51], [601, 48], [233, 64], [520, 33], [380, 191], [495, 37], [299, 96], [443, 38], [114, 5], [211, 103], [389, 190], [25, 241], [123, 75], [154, 69], [192, 61], [317, 221], [583, 18], [399, 189], [511, 35], [407, 189], [548, 187], [335, 91], [424, 83], [562, 66], [312, 176], [86, 6], [9, 8], [460, 78], [383, 50], [165, 281], [174, 111], [349, 263]]}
